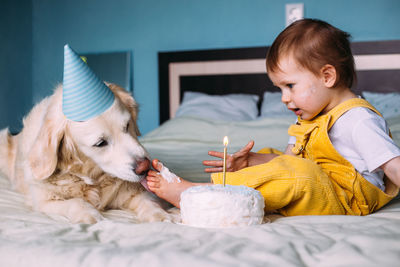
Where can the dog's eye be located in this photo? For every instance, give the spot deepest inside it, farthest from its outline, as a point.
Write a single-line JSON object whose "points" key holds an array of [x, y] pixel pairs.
{"points": [[126, 127], [101, 143]]}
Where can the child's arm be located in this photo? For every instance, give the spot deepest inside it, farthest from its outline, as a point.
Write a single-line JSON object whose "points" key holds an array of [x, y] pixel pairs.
{"points": [[392, 170], [260, 158], [241, 159]]}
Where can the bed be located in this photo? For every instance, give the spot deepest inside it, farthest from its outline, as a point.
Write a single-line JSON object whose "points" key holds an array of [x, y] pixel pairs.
{"points": [[187, 131]]}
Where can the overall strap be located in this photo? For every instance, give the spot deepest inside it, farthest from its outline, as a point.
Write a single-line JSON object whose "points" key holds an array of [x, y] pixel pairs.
{"points": [[340, 109], [304, 128]]}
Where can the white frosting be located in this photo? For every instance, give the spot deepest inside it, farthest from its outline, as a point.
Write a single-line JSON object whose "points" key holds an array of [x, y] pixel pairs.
{"points": [[219, 206], [168, 175]]}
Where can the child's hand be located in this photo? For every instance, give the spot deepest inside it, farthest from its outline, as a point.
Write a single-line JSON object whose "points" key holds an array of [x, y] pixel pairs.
{"points": [[234, 162]]}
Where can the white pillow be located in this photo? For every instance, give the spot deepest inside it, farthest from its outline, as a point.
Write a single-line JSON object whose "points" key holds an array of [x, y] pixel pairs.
{"points": [[233, 107], [272, 106], [386, 103]]}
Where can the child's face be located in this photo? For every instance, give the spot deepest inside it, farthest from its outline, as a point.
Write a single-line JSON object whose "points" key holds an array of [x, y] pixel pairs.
{"points": [[302, 91]]}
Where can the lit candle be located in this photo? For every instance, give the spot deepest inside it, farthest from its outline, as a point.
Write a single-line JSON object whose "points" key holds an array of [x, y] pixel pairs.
{"points": [[225, 149]]}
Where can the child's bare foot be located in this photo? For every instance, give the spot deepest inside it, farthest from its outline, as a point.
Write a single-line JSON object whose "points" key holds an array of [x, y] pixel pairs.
{"points": [[169, 190]]}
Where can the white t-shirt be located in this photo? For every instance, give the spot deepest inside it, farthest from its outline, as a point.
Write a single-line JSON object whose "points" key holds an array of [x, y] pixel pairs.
{"points": [[362, 137]]}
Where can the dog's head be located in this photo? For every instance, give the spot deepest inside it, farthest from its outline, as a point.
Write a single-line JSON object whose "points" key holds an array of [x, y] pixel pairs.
{"points": [[108, 140]]}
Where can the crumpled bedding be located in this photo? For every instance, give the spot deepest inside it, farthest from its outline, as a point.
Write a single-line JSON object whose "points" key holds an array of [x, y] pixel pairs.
{"points": [[29, 238]]}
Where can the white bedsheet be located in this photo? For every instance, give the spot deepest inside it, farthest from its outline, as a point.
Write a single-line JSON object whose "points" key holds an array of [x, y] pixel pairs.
{"points": [[30, 238]]}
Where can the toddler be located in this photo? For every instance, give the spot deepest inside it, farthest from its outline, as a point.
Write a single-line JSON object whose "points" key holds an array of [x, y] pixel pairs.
{"points": [[340, 158]]}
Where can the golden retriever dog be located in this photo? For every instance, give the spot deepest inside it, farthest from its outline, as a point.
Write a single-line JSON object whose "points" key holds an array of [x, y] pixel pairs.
{"points": [[77, 169]]}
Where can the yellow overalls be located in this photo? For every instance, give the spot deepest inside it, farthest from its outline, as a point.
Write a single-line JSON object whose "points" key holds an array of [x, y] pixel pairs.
{"points": [[318, 181]]}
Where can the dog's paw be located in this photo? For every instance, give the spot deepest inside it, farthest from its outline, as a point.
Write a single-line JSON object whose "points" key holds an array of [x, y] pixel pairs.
{"points": [[159, 215], [170, 216], [175, 215], [89, 217], [151, 210], [83, 212], [76, 210]]}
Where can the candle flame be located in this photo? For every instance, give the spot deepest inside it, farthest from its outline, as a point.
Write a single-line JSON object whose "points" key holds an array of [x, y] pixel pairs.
{"points": [[226, 141]]}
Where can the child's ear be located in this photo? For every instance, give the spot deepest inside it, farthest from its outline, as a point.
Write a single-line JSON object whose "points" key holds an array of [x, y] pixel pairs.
{"points": [[329, 75]]}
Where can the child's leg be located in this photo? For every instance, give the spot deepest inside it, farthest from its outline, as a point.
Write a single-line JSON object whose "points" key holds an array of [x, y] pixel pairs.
{"points": [[291, 185], [169, 191]]}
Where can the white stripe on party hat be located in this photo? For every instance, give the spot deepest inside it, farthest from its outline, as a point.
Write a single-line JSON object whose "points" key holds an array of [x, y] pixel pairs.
{"points": [[84, 95]]}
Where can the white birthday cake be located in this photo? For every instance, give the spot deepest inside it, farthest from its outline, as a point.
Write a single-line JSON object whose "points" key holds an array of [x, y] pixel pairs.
{"points": [[219, 206]]}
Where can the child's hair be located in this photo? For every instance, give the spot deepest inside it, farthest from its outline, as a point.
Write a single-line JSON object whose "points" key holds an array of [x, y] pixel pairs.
{"points": [[315, 43]]}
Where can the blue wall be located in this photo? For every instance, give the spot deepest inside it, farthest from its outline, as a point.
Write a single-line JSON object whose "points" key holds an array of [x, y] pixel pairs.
{"points": [[15, 62], [146, 27]]}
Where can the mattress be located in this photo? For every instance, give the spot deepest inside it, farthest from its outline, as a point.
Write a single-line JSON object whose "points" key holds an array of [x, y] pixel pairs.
{"points": [[29, 238]]}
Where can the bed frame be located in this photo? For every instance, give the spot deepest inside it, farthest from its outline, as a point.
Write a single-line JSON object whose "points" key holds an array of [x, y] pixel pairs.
{"points": [[243, 70]]}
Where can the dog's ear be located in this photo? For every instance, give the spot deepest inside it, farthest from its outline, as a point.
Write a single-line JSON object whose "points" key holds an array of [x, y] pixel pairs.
{"points": [[43, 154], [128, 101]]}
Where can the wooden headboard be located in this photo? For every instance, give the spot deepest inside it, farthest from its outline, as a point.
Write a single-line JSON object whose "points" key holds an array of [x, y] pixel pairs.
{"points": [[243, 70]]}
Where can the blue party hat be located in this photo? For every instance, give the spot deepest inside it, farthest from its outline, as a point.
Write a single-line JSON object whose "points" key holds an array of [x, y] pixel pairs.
{"points": [[84, 95]]}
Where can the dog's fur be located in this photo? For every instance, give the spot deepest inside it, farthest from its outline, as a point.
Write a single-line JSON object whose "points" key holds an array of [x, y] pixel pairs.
{"points": [[76, 169]]}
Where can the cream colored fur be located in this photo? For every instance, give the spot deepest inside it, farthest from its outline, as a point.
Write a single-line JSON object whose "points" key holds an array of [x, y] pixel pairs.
{"points": [[64, 167]]}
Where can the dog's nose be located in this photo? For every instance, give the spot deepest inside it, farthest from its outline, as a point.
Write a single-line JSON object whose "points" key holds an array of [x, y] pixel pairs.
{"points": [[142, 166]]}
